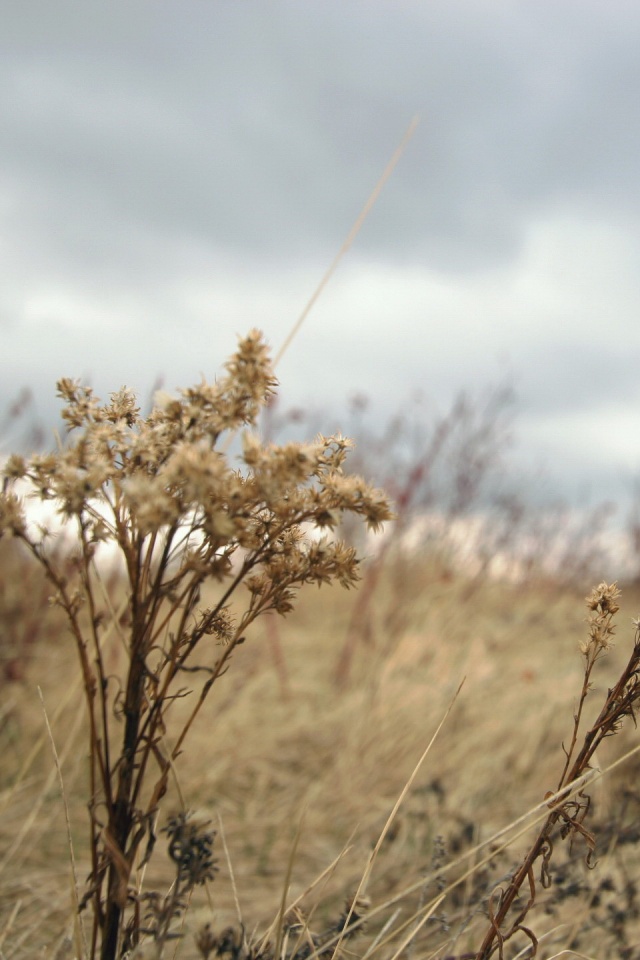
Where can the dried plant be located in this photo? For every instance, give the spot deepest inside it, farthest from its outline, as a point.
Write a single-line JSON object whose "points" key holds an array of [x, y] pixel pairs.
{"points": [[569, 803], [162, 492], [190, 850]]}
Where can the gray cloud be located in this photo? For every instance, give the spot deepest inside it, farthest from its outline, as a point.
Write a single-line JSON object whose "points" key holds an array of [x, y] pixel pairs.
{"points": [[262, 127], [169, 178]]}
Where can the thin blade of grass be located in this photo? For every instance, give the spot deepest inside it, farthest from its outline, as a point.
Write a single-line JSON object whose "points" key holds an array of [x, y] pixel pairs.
{"points": [[403, 794], [353, 233], [286, 886], [421, 916], [572, 953], [78, 928], [412, 933], [374, 853], [39, 800], [236, 898], [10, 921], [324, 875], [380, 935]]}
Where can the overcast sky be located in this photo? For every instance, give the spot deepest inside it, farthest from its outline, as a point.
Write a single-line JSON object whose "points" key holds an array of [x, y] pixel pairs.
{"points": [[174, 173]]}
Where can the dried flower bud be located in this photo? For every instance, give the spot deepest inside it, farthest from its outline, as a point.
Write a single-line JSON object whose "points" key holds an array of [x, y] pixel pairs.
{"points": [[603, 598], [603, 601], [15, 468]]}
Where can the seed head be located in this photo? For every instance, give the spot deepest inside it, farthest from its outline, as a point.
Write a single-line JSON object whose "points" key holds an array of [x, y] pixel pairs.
{"points": [[604, 599]]}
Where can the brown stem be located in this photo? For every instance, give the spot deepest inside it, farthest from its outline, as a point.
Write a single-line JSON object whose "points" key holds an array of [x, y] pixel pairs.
{"points": [[121, 814], [617, 705], [576, 723]]}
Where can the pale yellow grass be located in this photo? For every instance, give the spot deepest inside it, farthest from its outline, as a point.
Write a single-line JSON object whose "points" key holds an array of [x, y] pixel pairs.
{"points": [[261, 753]]}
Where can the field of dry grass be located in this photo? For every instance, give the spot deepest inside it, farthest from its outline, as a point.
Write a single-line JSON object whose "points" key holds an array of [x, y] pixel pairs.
{"points": [[409, 768], [299, 769]]}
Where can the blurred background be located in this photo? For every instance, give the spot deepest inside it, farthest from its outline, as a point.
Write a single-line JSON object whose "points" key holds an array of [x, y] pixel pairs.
{"points": [[173, 174]]}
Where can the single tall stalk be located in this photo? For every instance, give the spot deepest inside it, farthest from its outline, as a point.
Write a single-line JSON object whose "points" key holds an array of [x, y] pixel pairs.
{"points": [[569, 812]]}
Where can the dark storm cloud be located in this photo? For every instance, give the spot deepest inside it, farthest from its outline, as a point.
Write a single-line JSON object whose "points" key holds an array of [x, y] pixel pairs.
{"points": [[261, 127]]}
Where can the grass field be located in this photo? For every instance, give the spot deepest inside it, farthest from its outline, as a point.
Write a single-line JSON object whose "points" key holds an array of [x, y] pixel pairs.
{"points": [[285, 756], [409, 768]]}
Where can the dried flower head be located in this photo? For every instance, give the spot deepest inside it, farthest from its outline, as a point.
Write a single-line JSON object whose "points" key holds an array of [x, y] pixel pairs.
{"points": [[603, 601], [604, 598]]}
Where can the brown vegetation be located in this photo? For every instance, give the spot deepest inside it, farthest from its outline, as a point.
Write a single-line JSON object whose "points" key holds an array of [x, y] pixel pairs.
{"points": [[335, 792]]}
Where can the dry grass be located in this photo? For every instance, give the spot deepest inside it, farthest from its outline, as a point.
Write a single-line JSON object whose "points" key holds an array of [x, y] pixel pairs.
{"points": [[388, 755], [277, 754]]}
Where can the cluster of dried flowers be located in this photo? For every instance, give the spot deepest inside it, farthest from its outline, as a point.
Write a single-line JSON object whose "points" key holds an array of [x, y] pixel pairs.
{"points": [[165, 493]]}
